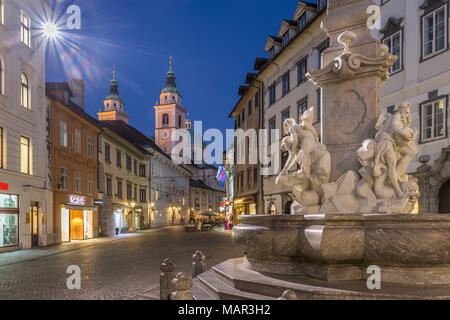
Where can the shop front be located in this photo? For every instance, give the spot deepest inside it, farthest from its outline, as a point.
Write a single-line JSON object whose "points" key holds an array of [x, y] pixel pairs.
{"points": [[79, 219], [244, 206], [9, 220]]}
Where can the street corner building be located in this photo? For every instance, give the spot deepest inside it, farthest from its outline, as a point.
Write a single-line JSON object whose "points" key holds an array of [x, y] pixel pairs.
{"points": [[74, 165], [25, 199]]}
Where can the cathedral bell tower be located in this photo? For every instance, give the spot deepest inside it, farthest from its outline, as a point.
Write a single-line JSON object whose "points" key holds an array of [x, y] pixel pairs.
{"points": [[169, 114], [113, 104]]}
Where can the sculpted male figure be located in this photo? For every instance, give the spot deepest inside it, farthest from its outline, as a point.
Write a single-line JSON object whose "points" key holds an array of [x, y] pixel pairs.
{"points": [[395, 147]]}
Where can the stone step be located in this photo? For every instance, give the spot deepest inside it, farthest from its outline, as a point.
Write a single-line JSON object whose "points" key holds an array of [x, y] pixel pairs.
{"points": [[199, 293], [233, 275], [220, 290]]}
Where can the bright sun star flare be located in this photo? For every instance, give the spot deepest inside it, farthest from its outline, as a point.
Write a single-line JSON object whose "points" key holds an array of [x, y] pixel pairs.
{"points": [[51, 30]]}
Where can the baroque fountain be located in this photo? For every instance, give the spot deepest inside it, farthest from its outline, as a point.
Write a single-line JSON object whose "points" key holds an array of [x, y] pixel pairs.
{"points": [[353, 199]]}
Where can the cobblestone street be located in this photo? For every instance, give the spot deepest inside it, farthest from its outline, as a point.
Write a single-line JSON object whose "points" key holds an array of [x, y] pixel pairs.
{"points": [[123, 269]]}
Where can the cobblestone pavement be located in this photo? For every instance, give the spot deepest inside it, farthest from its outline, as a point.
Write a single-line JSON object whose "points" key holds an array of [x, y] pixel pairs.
{"points": [[122, 269]]}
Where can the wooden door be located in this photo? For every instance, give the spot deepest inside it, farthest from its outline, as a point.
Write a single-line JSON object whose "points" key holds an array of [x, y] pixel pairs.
{"points": [[34, 212]]}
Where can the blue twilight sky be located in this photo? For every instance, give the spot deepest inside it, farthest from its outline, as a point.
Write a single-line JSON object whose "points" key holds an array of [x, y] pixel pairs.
{"points": [[214, 44]]}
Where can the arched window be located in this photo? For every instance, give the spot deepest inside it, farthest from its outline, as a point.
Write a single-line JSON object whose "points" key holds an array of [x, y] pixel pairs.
{"points": [[165, 119], [25, 92], [272, 209]]}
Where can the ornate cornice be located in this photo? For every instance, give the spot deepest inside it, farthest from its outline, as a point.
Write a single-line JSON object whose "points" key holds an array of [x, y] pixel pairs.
{"points": [[352, 65], [430, 5]]}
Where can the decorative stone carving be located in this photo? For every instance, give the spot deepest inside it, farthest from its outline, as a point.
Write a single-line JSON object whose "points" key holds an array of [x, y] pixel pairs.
{"points": [[198, 263], [182, 285], [167, 275], [381, 186], [305, 150]]}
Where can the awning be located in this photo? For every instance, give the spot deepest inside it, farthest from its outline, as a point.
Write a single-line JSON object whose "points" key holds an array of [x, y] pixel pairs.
{"points": [[87, 208]]}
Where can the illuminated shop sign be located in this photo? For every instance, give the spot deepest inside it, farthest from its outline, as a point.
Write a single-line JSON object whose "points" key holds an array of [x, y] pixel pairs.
{"points": [[77, 200], [9, 201], [4, 186]]}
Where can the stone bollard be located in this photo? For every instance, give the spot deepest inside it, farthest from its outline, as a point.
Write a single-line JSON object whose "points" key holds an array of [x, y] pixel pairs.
{"points": [[288, 295], [182, 285], [166, 277], [198, 263]]}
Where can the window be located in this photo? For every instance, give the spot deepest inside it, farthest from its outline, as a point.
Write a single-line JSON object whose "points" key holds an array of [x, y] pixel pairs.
{"points": [[285, 83], [77, 140], [272, 209], [322, 4], [271, 127], [108, 187], [433, 120], [255, 176], [284, 116], [301, 70], [90, 145], [119, 158], [394, 44], [179, 121], [143, 195], [390, 109], [107, 152], [135, 166], [156, 195], [25, 92], [321, 50], [257, 100], [119, 189], [285, 38], [250, 107], [25, 155], [25, 35], [135, 193], [128, 162], [271, 53], [272, 97], [319, 104], [129, 191], [1, 13], [243, 115], [78, 182], [63, 137], [248, 178], [142, 170], [90, 185], [434, 32], [2, 77], [1, 148], [302, 22], [165, 119], [302, 108], [64, 179]]}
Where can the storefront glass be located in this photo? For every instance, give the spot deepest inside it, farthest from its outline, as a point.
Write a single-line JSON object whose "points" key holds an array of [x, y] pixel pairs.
{"points": [[9, 220]]}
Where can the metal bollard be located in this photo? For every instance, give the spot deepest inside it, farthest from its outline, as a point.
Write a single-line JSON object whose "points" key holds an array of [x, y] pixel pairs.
{"points": [[165, 282], [198, 263], [182, 286], [288, 295]]}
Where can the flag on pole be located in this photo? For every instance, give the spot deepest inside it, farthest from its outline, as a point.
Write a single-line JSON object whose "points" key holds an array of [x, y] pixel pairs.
{"points": [[221, 174]]}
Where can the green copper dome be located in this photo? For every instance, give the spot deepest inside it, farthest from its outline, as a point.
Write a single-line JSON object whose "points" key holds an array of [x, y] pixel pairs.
{"points": [[114, 91], [171, 86]]}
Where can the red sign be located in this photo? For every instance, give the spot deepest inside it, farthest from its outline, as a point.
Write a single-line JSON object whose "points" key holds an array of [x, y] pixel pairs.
{"points": [[4, 186]]}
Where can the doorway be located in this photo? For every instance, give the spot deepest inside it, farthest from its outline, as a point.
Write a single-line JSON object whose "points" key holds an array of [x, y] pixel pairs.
{"points": [[34, 213], [444, 198], [287, 207], [76, 225]]}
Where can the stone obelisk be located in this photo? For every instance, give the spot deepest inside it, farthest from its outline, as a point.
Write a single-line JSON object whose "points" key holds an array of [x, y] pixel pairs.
{"points": [[355, 66]]}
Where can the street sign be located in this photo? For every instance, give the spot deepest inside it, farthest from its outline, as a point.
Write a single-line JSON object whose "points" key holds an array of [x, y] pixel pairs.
{"points": [[98, 202]]}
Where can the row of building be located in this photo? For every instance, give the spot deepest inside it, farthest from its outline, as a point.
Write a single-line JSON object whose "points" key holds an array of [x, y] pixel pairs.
{"points": [[65, 175], [417, 31]]}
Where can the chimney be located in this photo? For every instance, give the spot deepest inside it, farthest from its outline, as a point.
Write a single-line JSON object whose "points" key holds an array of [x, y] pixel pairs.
{"points": [[77, 87]]}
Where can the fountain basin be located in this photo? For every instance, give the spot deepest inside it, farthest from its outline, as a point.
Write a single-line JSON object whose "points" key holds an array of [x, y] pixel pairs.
{"points": [[407, 248]]}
